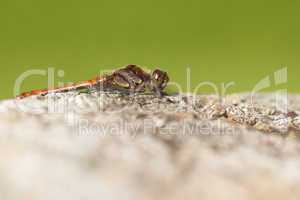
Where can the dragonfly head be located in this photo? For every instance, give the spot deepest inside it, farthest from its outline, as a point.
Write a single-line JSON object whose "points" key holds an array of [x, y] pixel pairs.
{"points": [[159, 79]]}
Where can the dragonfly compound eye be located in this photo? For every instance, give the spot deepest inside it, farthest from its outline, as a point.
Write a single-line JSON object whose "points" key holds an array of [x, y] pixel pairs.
{"points": [[160, 78]]}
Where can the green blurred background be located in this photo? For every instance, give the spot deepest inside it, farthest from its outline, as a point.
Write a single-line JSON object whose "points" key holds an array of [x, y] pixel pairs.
{"points": [[221, 41]]}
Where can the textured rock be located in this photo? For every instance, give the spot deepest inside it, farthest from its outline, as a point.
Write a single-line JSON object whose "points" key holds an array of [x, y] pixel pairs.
{"points": [[114, 146]]}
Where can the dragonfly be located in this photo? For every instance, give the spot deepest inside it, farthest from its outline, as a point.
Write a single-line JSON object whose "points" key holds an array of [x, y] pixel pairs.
{"points": [[129, 79]]}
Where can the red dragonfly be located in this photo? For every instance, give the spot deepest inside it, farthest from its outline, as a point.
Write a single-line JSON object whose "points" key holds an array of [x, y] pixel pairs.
{"points": [[130, 79]]}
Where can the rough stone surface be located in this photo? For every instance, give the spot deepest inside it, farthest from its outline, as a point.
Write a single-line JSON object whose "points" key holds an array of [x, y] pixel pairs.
{"points": [[114, 146]]}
